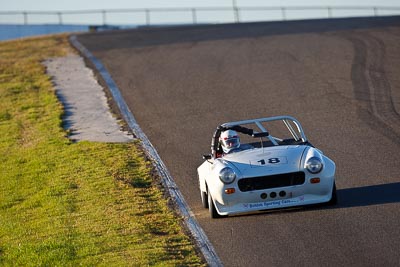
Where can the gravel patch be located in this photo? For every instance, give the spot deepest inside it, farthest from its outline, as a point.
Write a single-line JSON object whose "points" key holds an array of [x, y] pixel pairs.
{"points": [[87, 114]]}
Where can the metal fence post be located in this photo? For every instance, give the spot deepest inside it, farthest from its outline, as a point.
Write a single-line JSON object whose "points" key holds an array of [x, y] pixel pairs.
{"points": [[329, 12], [237, 16], [60, 21], [147, 17], [235, 11], [25, 17], [283, 13], [194, 16], [375, 11], [104, 16]]}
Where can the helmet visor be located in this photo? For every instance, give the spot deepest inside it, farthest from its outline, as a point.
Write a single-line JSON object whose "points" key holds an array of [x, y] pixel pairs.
{"points": [[232, 142]]}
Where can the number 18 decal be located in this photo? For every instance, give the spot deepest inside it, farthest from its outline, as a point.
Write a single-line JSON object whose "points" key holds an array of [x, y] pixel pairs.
{"points": [[273, 160], [279, 160]]}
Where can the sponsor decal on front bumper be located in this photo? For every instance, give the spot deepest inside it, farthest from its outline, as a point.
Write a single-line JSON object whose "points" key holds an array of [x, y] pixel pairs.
{"points": [[273, 204]]}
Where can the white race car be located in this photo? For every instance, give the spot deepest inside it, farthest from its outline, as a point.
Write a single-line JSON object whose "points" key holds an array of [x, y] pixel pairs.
{"points": [[264, 164]]}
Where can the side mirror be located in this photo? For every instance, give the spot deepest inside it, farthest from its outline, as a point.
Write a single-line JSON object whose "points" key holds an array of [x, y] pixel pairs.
{"points": [[207, 157]]}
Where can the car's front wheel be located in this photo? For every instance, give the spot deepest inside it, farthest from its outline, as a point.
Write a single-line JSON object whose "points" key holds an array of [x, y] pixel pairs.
{"points": [[204, 199], [211, 207]]}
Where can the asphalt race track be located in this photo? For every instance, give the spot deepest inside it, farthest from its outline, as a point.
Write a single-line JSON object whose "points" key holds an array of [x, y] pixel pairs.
{"points": [[340, 78]]}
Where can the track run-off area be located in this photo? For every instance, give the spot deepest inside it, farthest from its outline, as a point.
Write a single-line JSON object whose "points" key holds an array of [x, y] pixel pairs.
{"points": [[339, 78]]}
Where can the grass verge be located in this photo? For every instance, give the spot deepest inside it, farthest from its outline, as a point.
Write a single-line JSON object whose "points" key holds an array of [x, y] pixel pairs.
{"points": [[65, 203]]}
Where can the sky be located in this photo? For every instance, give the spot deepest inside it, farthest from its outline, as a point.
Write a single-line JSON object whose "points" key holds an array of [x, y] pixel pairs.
{"points": [[182, 16], [110, 4]]}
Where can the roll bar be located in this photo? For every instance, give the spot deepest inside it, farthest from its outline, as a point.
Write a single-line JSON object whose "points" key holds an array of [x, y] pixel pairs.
{"points": [[236, 126]]}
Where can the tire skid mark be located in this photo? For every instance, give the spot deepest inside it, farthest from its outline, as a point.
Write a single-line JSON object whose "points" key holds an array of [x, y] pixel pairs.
{"points": [[371, 86], [383, 102]]}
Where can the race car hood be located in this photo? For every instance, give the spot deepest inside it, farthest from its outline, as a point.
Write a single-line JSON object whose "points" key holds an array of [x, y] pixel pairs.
{"points": [[267, 161]]}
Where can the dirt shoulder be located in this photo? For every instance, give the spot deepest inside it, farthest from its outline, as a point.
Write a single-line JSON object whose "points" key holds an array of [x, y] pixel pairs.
{"points": [[87, 115]]}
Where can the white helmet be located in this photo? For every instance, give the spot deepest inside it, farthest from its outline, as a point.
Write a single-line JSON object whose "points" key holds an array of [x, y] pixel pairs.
{"points": [[229, 140]]}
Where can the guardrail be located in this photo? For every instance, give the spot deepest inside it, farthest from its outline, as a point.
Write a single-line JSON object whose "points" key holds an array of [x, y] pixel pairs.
{"points": [[229, 14]]}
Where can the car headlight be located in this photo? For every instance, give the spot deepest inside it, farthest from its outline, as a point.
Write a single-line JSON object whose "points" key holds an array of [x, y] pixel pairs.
{"points": [[314, 165], [227, 175]]}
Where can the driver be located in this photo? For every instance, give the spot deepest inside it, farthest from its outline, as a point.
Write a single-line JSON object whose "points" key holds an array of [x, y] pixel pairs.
{"points": [[229, 141]]}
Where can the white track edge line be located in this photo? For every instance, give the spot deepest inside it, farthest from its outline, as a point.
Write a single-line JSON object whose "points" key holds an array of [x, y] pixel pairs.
{"points": [[195, 229]]}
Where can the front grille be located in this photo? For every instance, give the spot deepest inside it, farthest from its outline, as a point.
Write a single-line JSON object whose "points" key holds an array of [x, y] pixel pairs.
{"points": [[271, 181]]}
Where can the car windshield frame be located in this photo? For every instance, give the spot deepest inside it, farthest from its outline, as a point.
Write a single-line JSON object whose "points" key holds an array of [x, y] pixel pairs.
{"points": [[261, 130]]}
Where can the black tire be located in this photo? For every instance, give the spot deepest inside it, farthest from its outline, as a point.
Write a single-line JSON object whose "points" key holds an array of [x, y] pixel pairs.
{"points": [[333, 200], [211, 207], [204, 199]]}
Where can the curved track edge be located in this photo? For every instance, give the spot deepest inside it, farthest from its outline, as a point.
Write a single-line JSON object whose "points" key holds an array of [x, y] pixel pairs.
{"points": [[202, 241]]}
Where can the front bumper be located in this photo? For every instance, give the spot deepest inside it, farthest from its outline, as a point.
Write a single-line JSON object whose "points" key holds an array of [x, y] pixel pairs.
{"points": [[276, 198]]}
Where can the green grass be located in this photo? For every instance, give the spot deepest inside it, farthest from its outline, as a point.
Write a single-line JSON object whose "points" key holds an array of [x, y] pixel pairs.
{"points": [[69, 204]]}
